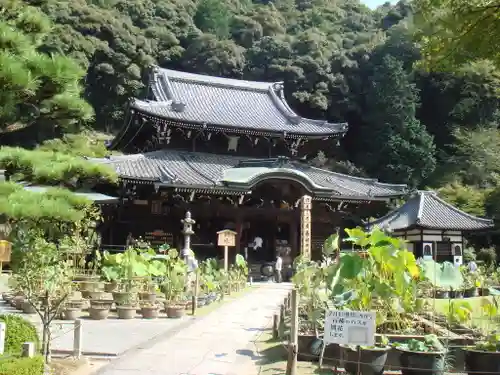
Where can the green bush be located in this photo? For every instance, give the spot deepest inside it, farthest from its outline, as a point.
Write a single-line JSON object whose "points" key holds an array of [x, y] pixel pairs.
{"points": [[18, 331], [488, 256], [469, 254], [21, 366]]}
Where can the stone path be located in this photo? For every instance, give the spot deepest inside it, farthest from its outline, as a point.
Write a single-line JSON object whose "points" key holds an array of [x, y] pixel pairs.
{"points": [[221, 343]]}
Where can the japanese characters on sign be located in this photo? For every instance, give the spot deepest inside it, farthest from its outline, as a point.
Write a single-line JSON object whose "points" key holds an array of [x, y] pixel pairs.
{"points": [[5, 251], [350, 327], [306, 203], [226, 238], [305, 232]]}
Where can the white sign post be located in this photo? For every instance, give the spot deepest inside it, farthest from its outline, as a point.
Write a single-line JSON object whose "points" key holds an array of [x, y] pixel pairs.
{"points": [[2, 337], [348, 328]]}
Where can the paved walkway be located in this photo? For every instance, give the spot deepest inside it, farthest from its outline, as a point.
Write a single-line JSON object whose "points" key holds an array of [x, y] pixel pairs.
{"points": [[221, 343]]}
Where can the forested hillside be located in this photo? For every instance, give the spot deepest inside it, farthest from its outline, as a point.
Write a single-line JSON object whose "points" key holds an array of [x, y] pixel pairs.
{"points": [[340, 61]]}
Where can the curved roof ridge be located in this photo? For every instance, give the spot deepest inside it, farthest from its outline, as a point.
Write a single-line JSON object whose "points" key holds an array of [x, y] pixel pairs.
{"points": [[278, 89], [375, 181], [282, 106], [432, 194], [217, 81]]}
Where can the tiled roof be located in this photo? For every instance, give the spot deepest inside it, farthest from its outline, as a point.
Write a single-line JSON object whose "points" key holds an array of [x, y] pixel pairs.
{"points": [[228, 103], [425, 209], [211, 171]]}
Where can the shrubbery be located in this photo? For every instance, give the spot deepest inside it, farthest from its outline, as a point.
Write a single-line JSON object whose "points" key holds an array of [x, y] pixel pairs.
{"points": [[21, 366], [19, 331]]}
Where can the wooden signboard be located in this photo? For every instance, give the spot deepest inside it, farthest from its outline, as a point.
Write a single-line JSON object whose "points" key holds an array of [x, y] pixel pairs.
{"points": [[5, 251], [158, 237], [226, 238], [305, 227]]}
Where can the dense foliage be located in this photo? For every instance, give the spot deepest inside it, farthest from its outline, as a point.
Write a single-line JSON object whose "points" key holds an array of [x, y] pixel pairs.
{"points": [[19, 330], [37, 88], [456, 31], [339, 60], [21, 366]]}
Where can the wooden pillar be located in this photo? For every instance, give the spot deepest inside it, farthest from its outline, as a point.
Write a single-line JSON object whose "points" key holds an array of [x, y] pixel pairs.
{"points": [[294, 240], [239, 232]]}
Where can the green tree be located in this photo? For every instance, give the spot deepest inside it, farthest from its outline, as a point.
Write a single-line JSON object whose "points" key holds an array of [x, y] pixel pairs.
{"points": [[397, 146], [456, 32], [477, 158], [213, 17], [465, 197], [37, 88]]}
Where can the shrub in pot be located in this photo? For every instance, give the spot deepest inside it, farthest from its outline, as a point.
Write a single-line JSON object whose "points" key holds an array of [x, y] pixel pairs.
{"points": [[422, 357], [370, 359]]}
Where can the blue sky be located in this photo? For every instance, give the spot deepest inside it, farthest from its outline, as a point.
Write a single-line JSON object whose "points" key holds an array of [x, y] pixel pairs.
{"points": [[374, 3]]}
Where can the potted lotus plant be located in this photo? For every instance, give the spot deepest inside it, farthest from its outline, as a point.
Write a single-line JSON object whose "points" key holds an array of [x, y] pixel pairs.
{"points": [[174, 284], [127, 268], [426, 357], [484, 356], [383, 280]]}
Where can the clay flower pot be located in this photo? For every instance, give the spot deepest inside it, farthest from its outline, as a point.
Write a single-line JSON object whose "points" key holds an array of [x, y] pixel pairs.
{"points": [[71, 313], [147, 297], [28, 307], [92, 295], [18, 302], [150, 312], [175, 311], [121, 298], [110, 287], [126, 312], [98, 313]]}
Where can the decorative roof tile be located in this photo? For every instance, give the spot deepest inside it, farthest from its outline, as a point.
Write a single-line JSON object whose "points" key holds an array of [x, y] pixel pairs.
{"points": [[228, 103], [204, 170], [426, 210]]}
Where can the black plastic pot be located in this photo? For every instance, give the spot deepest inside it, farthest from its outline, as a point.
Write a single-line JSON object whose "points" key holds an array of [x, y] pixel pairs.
{"points": [[478, 362], [456, 294], [441, 294], [421, 363], [372, 361], [484, 292], [471, 292]]}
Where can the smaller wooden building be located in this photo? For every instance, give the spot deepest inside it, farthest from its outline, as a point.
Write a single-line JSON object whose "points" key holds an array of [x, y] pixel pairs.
{"points": [[433, 228]]}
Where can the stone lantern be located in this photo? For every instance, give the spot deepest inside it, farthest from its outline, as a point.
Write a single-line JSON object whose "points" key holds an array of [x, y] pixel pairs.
{"points": [[187, 231]]}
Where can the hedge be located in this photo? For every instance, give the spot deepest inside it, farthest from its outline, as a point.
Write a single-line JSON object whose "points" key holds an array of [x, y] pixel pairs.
{"points": [[19, 331], [21, 366]]}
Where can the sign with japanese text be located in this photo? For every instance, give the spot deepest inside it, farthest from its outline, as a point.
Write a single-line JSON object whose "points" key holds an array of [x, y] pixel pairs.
{"points": [[305, 226], [226, 238], [306, 203], [350, 327], [5, 251]]}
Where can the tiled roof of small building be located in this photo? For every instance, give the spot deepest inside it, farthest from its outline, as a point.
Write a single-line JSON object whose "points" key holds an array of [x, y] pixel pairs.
{"points": [[426, 210], [239, 105], [196, 170]]}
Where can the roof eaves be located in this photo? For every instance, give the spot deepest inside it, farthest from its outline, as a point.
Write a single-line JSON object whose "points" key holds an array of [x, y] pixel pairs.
{"points": [[456, 209], [331, 131]]}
